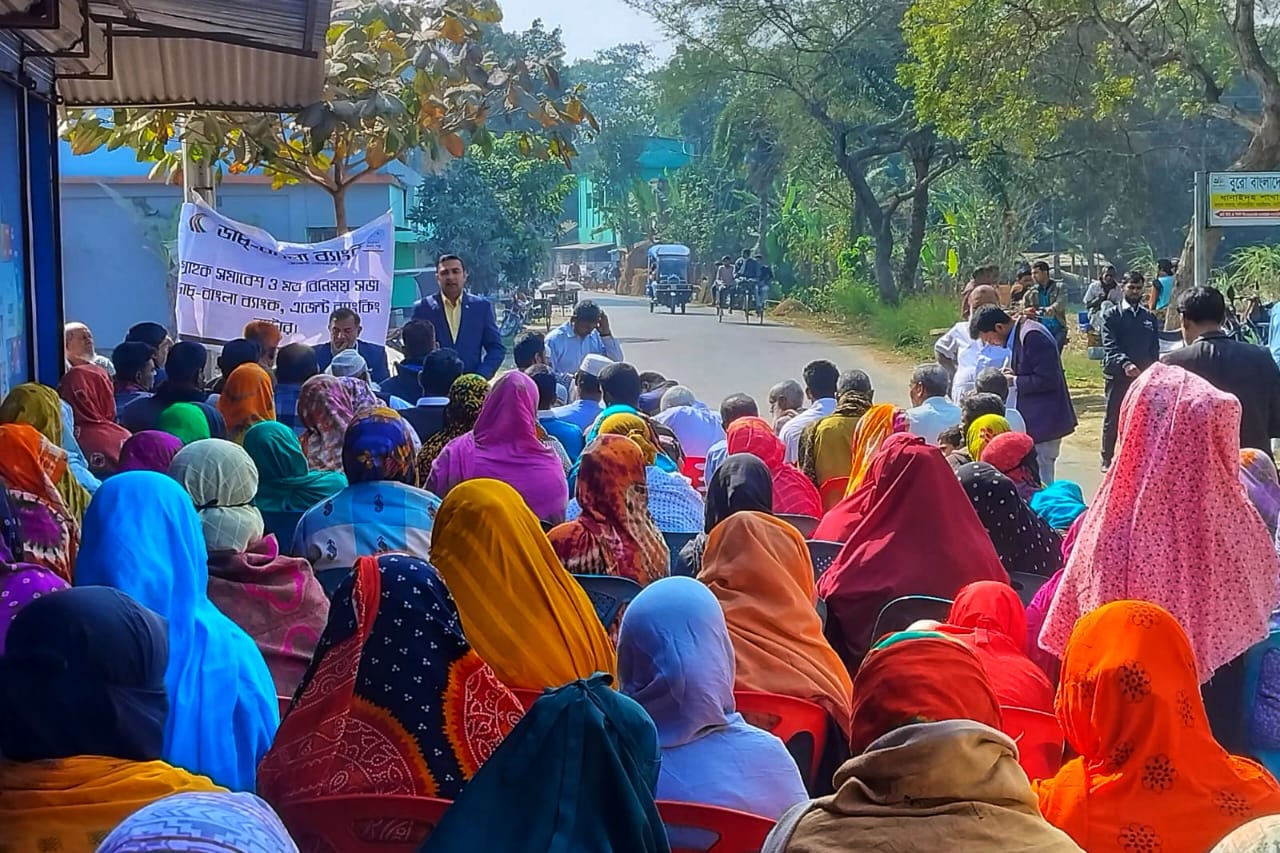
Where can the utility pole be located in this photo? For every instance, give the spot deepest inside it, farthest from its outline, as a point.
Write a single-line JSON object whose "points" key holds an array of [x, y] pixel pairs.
{"points": [[197, 171]]}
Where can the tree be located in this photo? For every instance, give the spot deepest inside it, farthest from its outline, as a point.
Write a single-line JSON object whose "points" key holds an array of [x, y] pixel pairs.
{"points": [[405, 79], [1077, 59]]}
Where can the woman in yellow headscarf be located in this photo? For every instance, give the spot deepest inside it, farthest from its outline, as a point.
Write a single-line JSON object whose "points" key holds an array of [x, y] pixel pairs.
{"points": [[881, 421], [982, 430], [675, 505], [41, 407], [521, 611]]}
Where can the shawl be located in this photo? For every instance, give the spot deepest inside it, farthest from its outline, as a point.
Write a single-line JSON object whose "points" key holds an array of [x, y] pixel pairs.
{"points": [[248, 398], [372, 517], [759, 570], [1257, 836], [39, 406], [988, 617], [521, 611], [880, 421], [75, 802], [1060, 503], [953, 786], [396, 702], [504, 446], [31, 467], [982, 432], [1150, 774], [1171, 525], [187, 421], [380, 446], [826, 446], [885, 556], [1014, 455], [149, 450], [676, 659], [1258, 475], [87, 389], [221, 480], [202, 823], [326, 407], [577, 774], [740, 484], [670, 453], [284, 483], [1025, 541], [466, 397], [793, 492], [276, 600], [143, 537], [614, 535]]}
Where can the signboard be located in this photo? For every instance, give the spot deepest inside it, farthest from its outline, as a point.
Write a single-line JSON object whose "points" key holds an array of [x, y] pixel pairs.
{"points": [[230, 274], [1244, 198]]}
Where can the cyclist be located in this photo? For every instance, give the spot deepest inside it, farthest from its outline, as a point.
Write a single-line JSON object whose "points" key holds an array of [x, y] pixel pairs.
{"points": [[746, 272]]}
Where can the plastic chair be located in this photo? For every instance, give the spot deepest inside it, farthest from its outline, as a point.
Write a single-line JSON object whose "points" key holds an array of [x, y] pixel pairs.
{"points": [[734, 831], [899, 614], [344, 823], [799, 723], [1039, 739], [526, 697], [1026, 585], [822, 554], [676, 541], [832, 491], [608, 595], [806, 524], [695, 468]]}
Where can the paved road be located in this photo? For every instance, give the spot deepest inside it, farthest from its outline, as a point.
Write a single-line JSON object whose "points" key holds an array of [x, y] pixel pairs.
{"points": [[718, 359]]}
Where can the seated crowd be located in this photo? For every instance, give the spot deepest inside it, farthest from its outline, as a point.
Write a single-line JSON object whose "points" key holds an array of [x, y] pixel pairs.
{"points": [[577, 613]]}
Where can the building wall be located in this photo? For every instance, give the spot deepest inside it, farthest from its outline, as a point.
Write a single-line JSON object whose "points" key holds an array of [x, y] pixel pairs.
{"points": [[113, 230]]}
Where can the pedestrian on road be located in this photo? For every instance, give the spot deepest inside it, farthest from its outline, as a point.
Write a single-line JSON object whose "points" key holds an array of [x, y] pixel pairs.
{"points": [[586, 332], [1038, 386], [1130, 344], [1247, 371], [463, 321], [820, 381]]}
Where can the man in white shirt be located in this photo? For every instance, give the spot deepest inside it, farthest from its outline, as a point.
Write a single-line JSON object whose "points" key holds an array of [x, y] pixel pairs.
{"points": [[820, 379], [991, 380], [961, 355], [587, 332], [697, 427], [931, 413]]}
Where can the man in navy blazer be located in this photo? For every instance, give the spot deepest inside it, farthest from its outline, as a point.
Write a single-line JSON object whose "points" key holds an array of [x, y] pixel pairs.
{"points": [[344, 333], [463, 323]]}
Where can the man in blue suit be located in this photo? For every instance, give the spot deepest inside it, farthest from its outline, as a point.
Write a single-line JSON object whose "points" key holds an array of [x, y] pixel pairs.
{"points": [[464, 323], [344, 334]]}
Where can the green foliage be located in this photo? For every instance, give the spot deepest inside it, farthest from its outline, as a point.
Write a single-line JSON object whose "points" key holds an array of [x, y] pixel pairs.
{"points": [[1255, 269]]}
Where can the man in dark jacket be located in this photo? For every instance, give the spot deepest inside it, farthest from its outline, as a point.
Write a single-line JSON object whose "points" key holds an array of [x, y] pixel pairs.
{"points": [[439, 370], [419, 340], [1038, 388], [1242, 369], [1130, 344]]}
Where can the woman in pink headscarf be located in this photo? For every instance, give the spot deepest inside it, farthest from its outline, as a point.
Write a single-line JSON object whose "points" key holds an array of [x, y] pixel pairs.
{"points": [[1171, 525], [504, 445]]}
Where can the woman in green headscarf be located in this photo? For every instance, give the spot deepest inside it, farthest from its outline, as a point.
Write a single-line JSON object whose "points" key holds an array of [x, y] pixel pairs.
{"points": [[982, 430], [40, 406], [187, 421], [286, 488]]}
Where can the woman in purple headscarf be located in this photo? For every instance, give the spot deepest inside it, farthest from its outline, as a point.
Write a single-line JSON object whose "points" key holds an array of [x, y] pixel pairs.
{"points": [[1258, 475], [20, 583], [149, 450], [505, 445]]}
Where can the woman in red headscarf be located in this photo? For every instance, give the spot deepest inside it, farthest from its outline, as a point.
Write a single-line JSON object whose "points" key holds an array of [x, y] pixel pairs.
{"points": [[793, 492], [889, 553], [88, 390]]}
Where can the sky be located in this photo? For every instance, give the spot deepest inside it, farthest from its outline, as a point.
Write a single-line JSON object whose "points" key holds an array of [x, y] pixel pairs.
{"points": [[587, 25]]}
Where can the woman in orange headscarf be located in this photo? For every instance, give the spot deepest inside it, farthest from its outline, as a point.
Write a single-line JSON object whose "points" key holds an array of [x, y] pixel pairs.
{"points": [[30, 468], [759, 570], [247, 398], [1150, 775], [793, 492], [881, 421]]}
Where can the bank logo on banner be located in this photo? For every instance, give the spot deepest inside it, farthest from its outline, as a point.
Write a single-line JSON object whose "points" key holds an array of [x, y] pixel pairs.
{"points": [[230, 274]]}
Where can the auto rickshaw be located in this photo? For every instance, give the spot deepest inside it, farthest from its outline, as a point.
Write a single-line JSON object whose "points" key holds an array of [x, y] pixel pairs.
{"points": [[668, 282]]}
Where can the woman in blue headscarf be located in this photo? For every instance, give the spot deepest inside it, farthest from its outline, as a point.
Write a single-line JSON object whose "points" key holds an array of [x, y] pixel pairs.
{"points": [[676, 659], [142, 536]]}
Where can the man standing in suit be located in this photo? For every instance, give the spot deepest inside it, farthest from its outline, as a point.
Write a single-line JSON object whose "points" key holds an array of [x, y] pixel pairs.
{"points": [[463, 322], [344, 334]]}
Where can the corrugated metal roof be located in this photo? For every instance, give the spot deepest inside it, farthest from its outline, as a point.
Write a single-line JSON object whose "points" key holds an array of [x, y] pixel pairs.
{"points": [[161, 71], [291, 25]]}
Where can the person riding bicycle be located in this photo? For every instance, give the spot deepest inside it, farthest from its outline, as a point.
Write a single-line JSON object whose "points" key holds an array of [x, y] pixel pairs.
{"points": [[765, 281], [724, 278], [746, 273]]}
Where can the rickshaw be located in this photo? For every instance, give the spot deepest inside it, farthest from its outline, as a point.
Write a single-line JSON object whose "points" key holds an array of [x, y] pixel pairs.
{"points": [[668, 282], [562, 294]]}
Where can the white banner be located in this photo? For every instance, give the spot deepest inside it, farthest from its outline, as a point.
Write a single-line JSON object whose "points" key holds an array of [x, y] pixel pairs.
{"points": [[230, 274]]}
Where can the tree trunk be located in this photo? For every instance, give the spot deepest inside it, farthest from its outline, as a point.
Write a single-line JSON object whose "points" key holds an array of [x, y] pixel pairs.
{"points": [[884, 262], [881, 225], [340, 210], [915, 232]]}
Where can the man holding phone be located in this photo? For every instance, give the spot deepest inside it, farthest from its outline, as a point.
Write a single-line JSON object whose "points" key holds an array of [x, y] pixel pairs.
{"points": [[586, 333]]}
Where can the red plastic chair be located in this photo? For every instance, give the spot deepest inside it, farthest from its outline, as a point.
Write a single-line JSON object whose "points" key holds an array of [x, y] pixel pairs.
{"points": [[695, 468], [351, 824], [526, 697], [798, 723], [1039, 739], [735, 831], [832, 491]]}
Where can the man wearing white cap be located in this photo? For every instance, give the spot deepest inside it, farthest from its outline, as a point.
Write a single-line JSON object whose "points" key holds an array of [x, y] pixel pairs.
{"points": [[588, 399], [350, 362]]}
